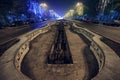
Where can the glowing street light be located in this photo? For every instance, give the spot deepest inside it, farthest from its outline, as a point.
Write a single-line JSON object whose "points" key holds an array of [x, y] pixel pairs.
{"points": [[79, 8], [44, 5], [78, 4], [77, 11]]}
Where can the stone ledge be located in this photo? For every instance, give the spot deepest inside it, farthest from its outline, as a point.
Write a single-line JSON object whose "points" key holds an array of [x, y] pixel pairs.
{"points": [[109, 68], [11, 60]]}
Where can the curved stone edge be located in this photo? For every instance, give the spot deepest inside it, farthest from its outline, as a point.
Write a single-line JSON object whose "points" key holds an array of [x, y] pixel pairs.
{"points": [[108, 61], [10, 61]]}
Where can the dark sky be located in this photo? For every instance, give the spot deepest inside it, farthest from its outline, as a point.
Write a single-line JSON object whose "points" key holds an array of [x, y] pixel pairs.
{"points": [[60, 6]]}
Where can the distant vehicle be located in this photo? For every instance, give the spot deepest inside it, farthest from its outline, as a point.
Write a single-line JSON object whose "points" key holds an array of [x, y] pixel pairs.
{"points": [[1, 26], [117, 22], [12, 24], [87, 20], [19, 23], [45, 19], [111, 23], [31, 21], [16, 23], [79, 19], [95, 21], [26, 22]]}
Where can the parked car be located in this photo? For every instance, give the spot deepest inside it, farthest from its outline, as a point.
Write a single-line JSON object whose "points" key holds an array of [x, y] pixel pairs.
{"points": [[95, 21], [1, 26], [87, 20], [16, 23], [26, 22], [111, 23]]}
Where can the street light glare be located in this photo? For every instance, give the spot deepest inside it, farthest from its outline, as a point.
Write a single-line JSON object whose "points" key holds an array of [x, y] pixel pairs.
{"points": [[78, 4], [44, 5]]}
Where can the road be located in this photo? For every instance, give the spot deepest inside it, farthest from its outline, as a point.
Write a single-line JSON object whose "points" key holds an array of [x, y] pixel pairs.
{"points": [[8, 36], [112, 33], [10, 33]]}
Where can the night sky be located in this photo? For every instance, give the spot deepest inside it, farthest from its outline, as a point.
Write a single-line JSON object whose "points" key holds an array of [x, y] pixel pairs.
{"points": [[60, 6]]}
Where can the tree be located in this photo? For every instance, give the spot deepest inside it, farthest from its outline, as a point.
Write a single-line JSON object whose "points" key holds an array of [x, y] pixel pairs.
{"points": [[113, 9], [91, 8]]}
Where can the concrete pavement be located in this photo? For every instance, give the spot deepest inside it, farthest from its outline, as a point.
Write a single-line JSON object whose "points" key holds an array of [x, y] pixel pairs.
{"points": [[84, 66], [34, 63]]}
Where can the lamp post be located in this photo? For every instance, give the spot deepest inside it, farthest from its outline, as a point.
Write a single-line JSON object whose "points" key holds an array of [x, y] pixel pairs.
{"points": [[44, 5], [46, 12], [79, 8]]}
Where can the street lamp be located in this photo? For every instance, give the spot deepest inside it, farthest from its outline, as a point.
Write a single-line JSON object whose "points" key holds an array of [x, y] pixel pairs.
{"points": [[78, 4], [44, 5], [79, 8]]}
